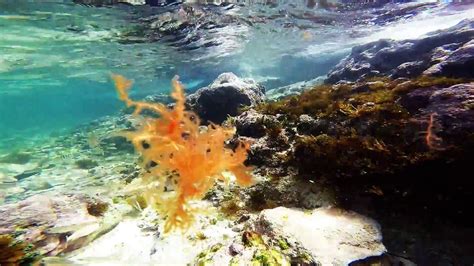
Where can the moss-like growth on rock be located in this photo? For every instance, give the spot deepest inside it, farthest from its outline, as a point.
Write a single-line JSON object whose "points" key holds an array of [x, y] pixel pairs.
{"points": [[269, 257], [205, 257], [96, 207], [86, 164], [16, 252], [266, 252], [359, 128]]}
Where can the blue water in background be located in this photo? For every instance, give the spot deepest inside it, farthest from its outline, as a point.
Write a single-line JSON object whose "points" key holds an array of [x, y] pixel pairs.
{"points": [[44, 46], [59, 57], [56, 58]]}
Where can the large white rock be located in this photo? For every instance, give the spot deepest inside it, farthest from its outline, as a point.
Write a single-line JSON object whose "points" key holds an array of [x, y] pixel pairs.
{"points": [[138, 241], [332, 236]]}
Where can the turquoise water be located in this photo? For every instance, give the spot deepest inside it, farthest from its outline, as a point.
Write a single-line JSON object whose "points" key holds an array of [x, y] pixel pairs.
{"points": [[55, 65], [57, 56]]}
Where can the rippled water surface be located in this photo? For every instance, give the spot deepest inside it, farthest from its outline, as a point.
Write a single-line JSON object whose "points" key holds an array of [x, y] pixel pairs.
{"points": [[56, 56]]}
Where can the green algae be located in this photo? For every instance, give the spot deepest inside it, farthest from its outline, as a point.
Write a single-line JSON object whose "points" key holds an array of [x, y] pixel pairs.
{"points": [[252, 239], [234, 261], [326, 99], [97, 208], [86, 164], [341, 156], [269, 257], [425, 82], [362, 129], [17, 252], [204, 258], [283, 244], [267, 254]]}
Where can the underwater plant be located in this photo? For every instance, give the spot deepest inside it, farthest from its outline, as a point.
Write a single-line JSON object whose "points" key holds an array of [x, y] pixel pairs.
{"points": [[182, 160]]}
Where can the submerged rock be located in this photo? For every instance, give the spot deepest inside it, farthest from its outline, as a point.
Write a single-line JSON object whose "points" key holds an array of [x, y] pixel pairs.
{"points": [[447, 52], [452, 108], [377, 143], [331, 236], [224, 96], [288, 191], [458, 63], [86, 164], [293, 89], [54, 224], [140, 241], [253, 124]]}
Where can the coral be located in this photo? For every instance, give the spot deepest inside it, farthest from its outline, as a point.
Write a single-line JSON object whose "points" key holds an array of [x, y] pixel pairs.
{"points": [[182, 160]]}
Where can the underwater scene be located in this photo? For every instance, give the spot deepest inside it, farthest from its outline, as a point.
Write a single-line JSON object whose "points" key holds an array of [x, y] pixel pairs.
{"points": [[240, 132]]}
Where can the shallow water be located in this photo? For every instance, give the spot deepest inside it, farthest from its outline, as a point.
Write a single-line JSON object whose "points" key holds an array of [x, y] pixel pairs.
{"points": [[56, 57], [58, 105]]}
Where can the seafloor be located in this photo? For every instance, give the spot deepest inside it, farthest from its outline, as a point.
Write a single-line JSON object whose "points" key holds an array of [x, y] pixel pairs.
{"points": [[368, 164]]}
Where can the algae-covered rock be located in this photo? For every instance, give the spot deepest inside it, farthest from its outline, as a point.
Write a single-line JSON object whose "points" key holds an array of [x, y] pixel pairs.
{"points": [[253, 124], [452, 108], [16, 252], [86, 164], [367, 128], [224, 97], [288, 190]]}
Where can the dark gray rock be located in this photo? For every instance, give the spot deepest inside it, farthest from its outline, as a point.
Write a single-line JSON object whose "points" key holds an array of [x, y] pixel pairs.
{"points": [[236, 248], [27, 174], [293, 89], [447, 52], [452, 107], [310, 126], [458, 63], [253, 124], [224, 97]]}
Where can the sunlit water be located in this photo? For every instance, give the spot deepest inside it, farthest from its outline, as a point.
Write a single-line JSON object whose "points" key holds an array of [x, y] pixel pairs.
{"points": [[56, 57]]}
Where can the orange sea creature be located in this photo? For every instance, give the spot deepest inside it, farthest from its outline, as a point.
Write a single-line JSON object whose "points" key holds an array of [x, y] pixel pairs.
{"points": [[182, 159], [432, 140]]}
